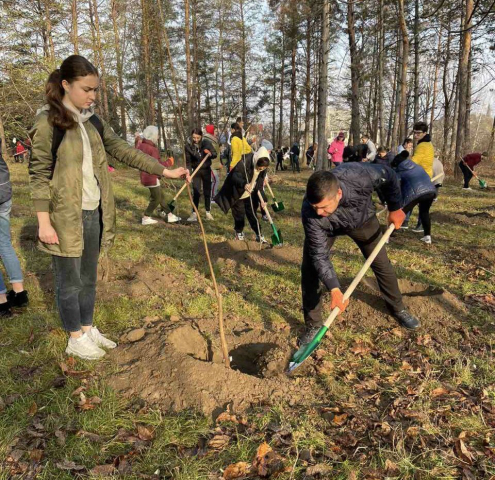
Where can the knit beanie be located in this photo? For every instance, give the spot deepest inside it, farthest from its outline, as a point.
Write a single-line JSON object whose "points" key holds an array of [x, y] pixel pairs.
{"points": [[210, 129]]}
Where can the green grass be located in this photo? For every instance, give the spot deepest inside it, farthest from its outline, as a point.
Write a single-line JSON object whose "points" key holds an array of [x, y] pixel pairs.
{"points": [[35, 339]]}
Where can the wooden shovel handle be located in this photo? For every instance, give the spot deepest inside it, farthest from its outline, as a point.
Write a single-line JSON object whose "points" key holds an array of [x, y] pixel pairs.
{"points": [[263, 204], [361, 273], [270, 189], [192, 176]]}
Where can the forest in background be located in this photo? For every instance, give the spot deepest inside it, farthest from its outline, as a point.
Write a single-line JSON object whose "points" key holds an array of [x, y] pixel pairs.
{"points": [[294, 67]]}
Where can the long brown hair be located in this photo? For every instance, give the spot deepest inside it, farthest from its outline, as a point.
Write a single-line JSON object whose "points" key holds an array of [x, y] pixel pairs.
{"points": [[72, 68]]}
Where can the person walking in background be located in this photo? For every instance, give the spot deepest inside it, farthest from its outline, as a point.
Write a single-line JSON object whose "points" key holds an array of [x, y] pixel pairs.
{"points": [[216, 164], [310, 155], [148, 145], [280, 159], [197, 148], [371, 149], [294, 157], [72, 195], [19, 152], [470, 160], [336, 149], [17, 296]]}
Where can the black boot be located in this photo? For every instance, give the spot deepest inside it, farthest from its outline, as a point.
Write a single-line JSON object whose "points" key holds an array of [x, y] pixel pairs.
{"points": [[406, 320], [5, 310], [19, 299]]}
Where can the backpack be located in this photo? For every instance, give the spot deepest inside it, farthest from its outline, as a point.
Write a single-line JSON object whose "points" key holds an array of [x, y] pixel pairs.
{"points": [[58, 136]]}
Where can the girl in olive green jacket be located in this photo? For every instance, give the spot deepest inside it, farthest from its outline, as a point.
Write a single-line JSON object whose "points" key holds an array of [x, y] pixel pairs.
{"points": [[72, 194]]}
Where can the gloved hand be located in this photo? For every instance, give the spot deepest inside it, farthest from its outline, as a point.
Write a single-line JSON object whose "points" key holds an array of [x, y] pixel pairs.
{"points": [[206, 151], [397, 218], [337, 300]]}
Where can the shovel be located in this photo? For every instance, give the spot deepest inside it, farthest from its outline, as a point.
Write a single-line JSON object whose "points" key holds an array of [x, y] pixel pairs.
{"points": [[306, 350], [277, 239], [277, 206], [171, 205], [482, 183]]}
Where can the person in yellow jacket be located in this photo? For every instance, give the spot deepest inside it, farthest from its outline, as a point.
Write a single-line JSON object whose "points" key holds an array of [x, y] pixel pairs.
{"points": [[424, 152], [239, 146]]}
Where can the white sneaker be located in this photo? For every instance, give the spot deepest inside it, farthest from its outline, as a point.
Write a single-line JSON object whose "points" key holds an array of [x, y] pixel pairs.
{"points": [[239, 236], [261, 239], [418, 229], [99, 340], [84, 347], [209, 216], [468, 188], [192, 218], [426, 239], [148, 221], [171, 218]]}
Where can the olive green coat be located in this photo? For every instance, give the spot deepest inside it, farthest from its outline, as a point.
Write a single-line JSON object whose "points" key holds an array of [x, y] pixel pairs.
{"points": [[61, 195]]}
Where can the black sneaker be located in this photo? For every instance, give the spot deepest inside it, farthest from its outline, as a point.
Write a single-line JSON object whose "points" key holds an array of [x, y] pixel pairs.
{"points": [[5, 310], [307, 336], [19, 299], [406, 320]]}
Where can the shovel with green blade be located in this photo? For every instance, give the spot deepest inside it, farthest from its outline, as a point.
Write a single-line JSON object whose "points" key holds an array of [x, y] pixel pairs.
{"points": [[171, 205], [482, 183], [277, 239], [306, 350], [277, 206]]}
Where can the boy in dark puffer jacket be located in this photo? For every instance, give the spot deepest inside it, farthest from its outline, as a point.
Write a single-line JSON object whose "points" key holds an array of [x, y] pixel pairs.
{"points": [[340, 203]]}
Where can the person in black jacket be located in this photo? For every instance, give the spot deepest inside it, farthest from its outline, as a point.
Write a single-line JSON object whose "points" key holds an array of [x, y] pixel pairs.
{"points": [[239, 193], [340, 203], [294, 156], [197, 148], [383, 157]]}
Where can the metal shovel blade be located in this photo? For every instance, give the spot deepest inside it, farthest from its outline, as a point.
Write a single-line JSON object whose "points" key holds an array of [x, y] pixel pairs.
{"points": [[277, 206], [277, 239], [482, 183], [306, 350]]}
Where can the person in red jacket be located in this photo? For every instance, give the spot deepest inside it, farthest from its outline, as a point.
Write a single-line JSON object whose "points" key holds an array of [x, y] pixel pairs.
{"points": [[471, 159], [336, 149], [148, 145]]}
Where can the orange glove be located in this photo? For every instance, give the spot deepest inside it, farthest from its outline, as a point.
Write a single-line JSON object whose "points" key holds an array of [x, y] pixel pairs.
{"points": [[337, 300], [207, 151], [397, 218]]}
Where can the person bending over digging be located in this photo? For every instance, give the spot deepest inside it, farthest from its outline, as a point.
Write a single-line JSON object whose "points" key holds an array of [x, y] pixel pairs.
{"points": [[72, 194], [340, 203], [239, 193]]}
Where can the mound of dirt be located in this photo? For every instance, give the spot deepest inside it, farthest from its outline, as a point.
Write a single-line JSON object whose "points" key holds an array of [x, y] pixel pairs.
{"points": [[178, 365]]}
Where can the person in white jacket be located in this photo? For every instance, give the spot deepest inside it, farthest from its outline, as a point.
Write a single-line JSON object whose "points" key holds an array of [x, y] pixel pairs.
{"points": [[370, 156]]}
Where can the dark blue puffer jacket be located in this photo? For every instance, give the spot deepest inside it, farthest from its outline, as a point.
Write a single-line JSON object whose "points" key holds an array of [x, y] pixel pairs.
{"points": [[414, 181]]}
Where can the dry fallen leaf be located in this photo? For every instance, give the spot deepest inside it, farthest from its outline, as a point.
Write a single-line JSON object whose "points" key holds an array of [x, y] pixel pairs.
{"points": [[236, 470], [145, 433], [102, 470], [227, 417], [78, 390], [413, 431], [339, 420], [267, 462], [391, 468], [69, 465], [219, 441], [33, 409], [360, 348], [438, 392], [93, 437], [463, 453], [319, 469], [36, 455]]}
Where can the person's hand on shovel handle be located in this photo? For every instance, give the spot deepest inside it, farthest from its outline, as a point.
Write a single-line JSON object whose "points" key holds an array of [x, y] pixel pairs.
{"points": [[338, 300], [396, 217], [180, 172]]}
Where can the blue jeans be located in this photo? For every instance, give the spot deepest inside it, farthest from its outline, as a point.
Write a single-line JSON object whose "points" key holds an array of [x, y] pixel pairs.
{"points": [[75, 277], [7, 252]]}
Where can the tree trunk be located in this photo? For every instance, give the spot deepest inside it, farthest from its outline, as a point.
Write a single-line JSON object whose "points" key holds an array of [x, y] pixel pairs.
{"points": [[403, 75], [243, 63], [190, 111], [381, 61], [392, 121], [307, 116], [292, 123], [467, 128], [75, 36], [447, 95], [195, 67], [317, 50], [490, 145], [120, 74], [355, 132], [460, 148], [49, 48], [274, 101], [281, 99], [435, 80], [150, 114], [322, 159], [416, 62]]}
